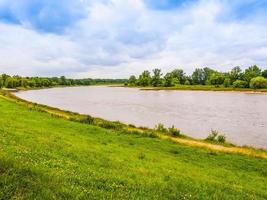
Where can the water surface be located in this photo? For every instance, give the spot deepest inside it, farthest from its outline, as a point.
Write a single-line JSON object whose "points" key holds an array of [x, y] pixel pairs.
{"points": [[241, 116]]}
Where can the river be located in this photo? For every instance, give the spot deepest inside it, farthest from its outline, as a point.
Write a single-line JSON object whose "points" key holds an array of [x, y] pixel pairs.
{"points": [[240, 116]]}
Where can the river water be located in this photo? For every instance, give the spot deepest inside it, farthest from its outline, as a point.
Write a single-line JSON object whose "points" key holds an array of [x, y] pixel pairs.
{"points": [[241, 116]]}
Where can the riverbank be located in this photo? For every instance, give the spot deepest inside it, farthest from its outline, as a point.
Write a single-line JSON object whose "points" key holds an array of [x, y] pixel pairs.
{"points": [[59, 86], [48, 153], [202, 88], [131, 129]]}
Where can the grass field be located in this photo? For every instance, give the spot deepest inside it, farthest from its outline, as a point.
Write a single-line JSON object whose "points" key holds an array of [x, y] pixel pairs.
{"points": [[47, 157], [203, 88]]}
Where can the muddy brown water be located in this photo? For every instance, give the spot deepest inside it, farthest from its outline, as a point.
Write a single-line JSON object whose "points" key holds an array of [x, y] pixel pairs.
{"points": [[241, 116]]}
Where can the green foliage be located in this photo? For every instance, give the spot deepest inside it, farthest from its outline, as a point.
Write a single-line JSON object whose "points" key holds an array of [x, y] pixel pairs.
{"points": [[252, 72], [42, 157], [39, 82], [132, 80], [144, 79], [216, 78], [227, 82], [169, 80], [156, 78], [235, 74], [160, 127], [199, 77], [1, 82], [216, 137], [213, 135], [187, 82], [110, 125], [173, 131], [258, 82], [240, 84], [221, 138], [87, 120], [179, 75]]}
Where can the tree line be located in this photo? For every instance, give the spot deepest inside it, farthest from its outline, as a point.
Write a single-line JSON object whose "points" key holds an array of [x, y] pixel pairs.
{"points": [[7, 81], [252, 77]]}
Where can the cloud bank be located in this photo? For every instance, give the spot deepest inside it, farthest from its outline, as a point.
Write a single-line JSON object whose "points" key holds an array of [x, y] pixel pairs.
{"points": [[116, 38]]}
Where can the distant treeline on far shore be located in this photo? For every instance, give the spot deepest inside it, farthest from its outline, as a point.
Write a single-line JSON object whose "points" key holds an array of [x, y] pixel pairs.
{"points": [[7, 81], [252, 77]]}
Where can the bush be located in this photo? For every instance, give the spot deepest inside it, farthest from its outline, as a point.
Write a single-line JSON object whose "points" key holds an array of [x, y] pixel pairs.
{"points": [[131, 126], [87, 120], [240, 84], [174, 131], [150, 134], [227, 82], [213, 135], [221, 138], [187, 82], [160, 127], [258, 83], [216, 137], [111, 125]]}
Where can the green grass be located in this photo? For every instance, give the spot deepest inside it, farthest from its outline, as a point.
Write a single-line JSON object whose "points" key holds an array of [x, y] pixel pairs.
{"points": [[46, 157], [203, 88]]}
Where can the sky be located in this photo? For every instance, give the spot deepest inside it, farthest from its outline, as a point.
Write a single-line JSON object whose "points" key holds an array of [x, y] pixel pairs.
{"points": [[117, 38]]}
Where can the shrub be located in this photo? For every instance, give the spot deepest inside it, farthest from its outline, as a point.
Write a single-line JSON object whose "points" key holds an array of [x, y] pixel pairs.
{"points": [[150, 134], [221, 138], [213, 135], [132, 126], [173, 131], [111, 125], [160, 127], [216, 137], [227, 82], [240, 84], [87, 120], [258, 82], [187, 82]]}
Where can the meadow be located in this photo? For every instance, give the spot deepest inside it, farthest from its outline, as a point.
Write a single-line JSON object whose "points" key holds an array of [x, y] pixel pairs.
{"points": [[53, 154], [201, 88]]}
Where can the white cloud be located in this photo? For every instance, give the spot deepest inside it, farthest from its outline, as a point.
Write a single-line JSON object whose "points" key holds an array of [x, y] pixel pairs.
{"points": [[122, 37]]}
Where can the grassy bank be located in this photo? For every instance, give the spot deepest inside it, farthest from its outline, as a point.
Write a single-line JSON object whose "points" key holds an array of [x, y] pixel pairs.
{"points": [[47, 153], [202, 88]]}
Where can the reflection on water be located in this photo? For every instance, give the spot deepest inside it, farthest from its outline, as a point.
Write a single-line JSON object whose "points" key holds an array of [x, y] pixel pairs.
{"points": [[242, 117]]}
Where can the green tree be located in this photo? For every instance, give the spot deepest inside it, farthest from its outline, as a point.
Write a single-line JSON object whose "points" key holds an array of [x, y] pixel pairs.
{"points": [[240, 84], [264, 73], [187, 82], [5, 77], [198, 76], [169, 80], [132, 80], [62, 80], [217, 78], [156, 78], [227, 82], [252, 72], [235, 74], [10, 83], [144, 79], [207, 74], [179, 75], [1, 82], [258, 82]]}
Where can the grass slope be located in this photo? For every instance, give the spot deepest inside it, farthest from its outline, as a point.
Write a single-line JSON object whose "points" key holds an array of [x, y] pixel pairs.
{"points": [[44, 157]]}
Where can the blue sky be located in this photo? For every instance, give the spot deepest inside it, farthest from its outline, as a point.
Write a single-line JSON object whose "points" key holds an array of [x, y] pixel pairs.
{"points": [[116, 38]]}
